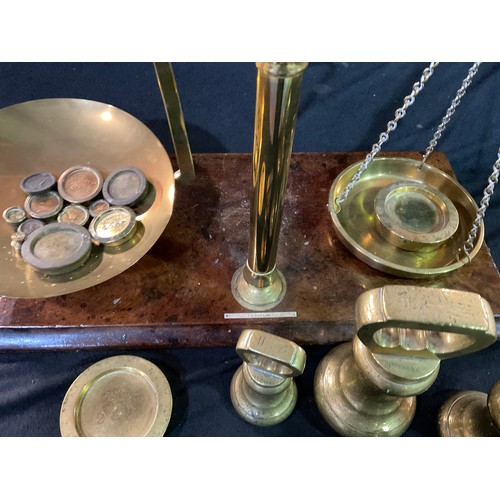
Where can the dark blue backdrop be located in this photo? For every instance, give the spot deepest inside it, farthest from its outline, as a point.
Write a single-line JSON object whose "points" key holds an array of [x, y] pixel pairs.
{"points": [[344, 107]]}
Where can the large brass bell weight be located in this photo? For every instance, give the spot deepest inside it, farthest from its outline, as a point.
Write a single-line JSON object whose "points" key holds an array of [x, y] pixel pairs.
{"points": [[368, 387]]}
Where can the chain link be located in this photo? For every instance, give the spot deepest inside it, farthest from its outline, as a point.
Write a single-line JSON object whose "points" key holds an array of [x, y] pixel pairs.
{"points": [[485, 202], [447, 117], [391, 126]]}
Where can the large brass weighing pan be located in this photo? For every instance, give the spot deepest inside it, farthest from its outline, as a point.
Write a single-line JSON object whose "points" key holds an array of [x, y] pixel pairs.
{"points": [[357, 226], [52, 135]]}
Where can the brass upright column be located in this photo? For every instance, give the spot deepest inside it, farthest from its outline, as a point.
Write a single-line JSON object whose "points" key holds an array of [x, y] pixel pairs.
{"points": [[258, 285]]}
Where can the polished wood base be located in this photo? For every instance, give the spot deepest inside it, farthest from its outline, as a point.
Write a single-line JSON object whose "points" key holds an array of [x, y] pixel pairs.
{"points": [[178, 293]]}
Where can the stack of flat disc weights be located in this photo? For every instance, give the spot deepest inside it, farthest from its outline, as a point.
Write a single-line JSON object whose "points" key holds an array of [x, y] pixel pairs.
{"points": [[62, 219]]}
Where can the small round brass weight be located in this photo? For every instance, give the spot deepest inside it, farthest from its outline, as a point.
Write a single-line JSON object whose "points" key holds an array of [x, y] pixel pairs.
{"points": [[368, 387], [471, 414], [263, 391]]}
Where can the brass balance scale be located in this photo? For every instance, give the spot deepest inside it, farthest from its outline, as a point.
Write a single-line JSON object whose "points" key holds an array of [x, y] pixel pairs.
{"points": [[402, 216]]}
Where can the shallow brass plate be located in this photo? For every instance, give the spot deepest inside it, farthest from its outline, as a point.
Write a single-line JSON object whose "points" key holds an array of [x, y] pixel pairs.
{"points": [[55, 134], [121, 396], [356, 224]]}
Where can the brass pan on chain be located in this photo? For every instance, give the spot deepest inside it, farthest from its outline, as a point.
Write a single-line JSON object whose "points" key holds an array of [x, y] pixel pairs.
{"points": [[404, 220], [52, 135]]}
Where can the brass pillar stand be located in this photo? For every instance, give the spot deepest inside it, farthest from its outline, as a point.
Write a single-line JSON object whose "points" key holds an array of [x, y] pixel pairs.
{"points": [[471, 414], [263, 391], [259, 285], [369, 387]]}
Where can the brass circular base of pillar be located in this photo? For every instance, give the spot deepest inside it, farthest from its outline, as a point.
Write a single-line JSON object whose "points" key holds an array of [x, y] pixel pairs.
{"points": [[272, 403], [351, 405], [258, 298], [467, 414]]}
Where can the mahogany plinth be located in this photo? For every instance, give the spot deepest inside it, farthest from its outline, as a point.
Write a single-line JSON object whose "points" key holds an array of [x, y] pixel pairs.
{"points": [[178, 293]]}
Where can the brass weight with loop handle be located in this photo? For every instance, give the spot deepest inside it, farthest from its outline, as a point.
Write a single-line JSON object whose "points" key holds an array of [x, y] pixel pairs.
{"points": [[368, 387], [263, 391]]}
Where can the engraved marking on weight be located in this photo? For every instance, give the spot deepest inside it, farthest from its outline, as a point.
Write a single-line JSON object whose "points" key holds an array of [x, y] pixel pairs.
{"points": [[432, 306]]}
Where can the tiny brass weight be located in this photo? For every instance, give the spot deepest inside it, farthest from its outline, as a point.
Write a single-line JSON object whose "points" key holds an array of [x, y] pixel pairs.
{"points": [[368, 387], [471, 414], [263, 391]]}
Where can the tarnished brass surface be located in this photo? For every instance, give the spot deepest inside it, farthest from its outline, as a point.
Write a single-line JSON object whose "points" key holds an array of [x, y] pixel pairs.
{"points": [[258, 285], [14, 216], [357, 227], [415, 217], [175, 117], [55, 134], [368, 387], [121, 396], [471, 414], [79, 184], [353, 406], [262, 390], [74, 214], [421, 321], [494, 404]]}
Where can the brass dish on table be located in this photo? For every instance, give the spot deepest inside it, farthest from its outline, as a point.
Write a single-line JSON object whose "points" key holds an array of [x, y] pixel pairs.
{"points": [[55, 134], [121, 396], [358, 226]]}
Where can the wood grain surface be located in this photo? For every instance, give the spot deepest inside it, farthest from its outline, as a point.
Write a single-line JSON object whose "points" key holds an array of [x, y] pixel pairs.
{"points": [[178, 293]]}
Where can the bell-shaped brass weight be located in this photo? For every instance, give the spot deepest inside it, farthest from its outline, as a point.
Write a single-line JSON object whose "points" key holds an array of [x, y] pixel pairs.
{"points": [[263, 391], [471, 414], [364, 394], [368, 387]]}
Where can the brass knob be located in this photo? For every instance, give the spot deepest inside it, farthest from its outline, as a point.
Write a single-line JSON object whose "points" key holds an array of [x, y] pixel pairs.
{"points": [[263, 391], [471, 414], [369, 387]]}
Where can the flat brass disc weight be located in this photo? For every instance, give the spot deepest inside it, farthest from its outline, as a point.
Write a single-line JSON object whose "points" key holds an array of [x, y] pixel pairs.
{"points": [[52, 135]]}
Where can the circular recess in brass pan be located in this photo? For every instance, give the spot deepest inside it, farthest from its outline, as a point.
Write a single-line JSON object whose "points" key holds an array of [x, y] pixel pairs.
{"points": [[121, 396], [377, 239], [55, 134]]}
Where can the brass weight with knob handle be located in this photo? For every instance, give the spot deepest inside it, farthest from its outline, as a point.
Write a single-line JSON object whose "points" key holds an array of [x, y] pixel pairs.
{"points": [[471, 414], [263, 391], [368, 387]]}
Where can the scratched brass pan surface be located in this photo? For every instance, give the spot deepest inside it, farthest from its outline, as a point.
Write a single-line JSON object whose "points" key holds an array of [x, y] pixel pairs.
{"points": [[121, 396], [55, 134], [355, 224]]}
